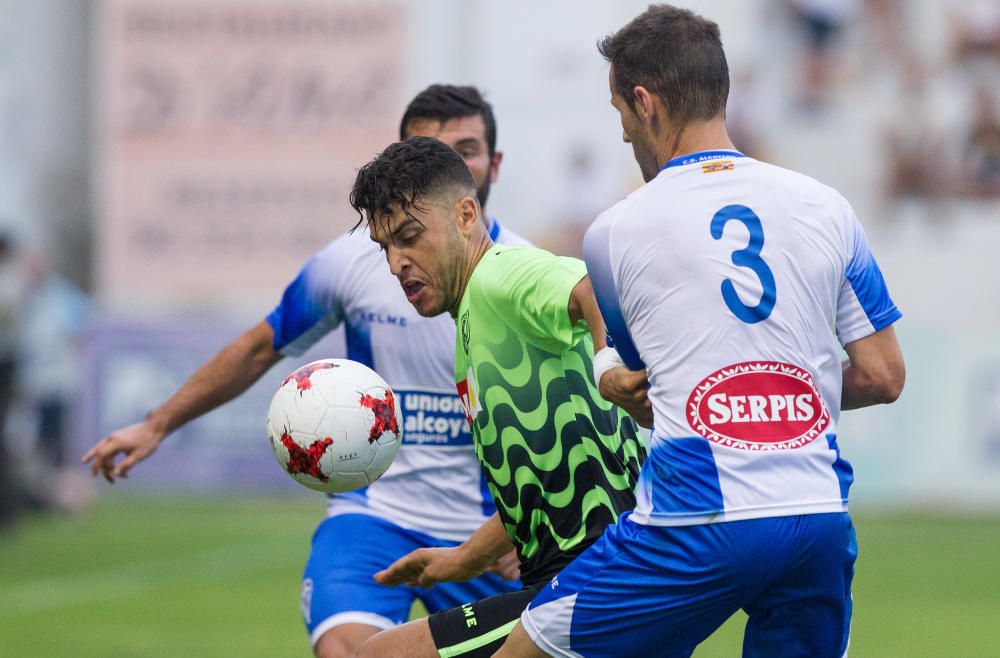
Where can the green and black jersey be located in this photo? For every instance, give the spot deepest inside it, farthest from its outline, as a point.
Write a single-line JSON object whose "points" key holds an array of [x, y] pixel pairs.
{"points": [[561, 462]]}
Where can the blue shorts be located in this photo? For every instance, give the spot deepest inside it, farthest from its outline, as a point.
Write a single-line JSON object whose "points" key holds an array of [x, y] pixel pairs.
{"points": [[659, 591], [347, 550]]}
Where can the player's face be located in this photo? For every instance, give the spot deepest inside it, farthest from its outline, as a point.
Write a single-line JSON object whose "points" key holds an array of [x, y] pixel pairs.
{"points": [[467, 135], [426, 252], [636, 133]]}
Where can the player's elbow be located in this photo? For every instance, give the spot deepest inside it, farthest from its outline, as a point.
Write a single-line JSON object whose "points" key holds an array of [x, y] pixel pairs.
{"points": [[891, 382]]}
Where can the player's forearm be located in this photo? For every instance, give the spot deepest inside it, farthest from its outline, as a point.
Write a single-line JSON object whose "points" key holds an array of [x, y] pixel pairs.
{"points": [[861, 389], [226, 375], [583, 306], [874, 372], [487, 544]]}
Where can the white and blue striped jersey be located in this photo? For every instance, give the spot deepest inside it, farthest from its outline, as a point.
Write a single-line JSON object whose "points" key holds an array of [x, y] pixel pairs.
{"points": [[435, 485], [735, 283]]}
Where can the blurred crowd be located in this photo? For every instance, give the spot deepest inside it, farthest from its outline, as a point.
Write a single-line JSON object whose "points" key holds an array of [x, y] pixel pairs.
{"points": [[930, 150], [931, 110], [42, 316]]}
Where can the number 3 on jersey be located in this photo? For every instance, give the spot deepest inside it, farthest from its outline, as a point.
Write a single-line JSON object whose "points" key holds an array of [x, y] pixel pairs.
{"points": [[748, 257]]}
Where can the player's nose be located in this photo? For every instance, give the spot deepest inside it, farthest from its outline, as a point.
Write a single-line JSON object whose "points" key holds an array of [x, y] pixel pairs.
{"points": [[397, 260]]}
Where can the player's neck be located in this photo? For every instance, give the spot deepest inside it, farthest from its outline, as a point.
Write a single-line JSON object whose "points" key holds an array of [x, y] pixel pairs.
{"points": [[695, 137], [477, 248]]}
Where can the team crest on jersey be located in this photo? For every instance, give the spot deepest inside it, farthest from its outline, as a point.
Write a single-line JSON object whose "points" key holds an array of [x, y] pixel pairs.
{"points": [[717, 165], [758, 405], [465, 332]]}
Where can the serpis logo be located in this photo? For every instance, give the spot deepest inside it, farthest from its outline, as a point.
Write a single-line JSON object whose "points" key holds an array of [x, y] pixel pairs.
{"points": [[758, 405]]}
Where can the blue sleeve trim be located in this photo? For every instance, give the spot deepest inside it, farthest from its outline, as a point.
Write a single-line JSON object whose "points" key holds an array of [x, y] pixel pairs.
{"points": [[597, 255], [869, 286], [296, 314], [359, 344]]}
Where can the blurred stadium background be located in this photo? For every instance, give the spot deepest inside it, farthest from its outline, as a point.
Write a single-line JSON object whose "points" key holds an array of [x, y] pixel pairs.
{"points": [[167, 165]]}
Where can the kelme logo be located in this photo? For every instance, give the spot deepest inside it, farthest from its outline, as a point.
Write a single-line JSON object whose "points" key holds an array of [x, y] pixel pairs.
{"points": [[758, 405]]}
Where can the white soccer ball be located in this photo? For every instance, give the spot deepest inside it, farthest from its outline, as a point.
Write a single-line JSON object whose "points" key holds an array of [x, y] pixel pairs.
{"points": [[334, 425]]}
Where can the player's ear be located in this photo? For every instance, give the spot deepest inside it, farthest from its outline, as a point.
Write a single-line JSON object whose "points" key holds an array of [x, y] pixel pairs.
{"points": [[467, 214], [645, 105], [495, 160]]}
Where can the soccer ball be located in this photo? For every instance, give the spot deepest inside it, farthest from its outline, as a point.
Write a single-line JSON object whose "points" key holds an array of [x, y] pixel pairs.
{"points": [[334, 425]]}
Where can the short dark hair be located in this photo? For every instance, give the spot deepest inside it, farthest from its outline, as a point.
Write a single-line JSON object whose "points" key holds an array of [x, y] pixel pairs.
{"points": [[675, 54], [404, 173], [444, 102]]}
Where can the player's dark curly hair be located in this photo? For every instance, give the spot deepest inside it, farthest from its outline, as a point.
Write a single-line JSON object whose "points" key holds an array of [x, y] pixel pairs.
{"points": [[444, 102], [404, 173], [675, 54]]}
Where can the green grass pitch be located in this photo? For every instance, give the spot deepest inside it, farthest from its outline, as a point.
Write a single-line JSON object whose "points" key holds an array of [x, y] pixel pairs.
{"points": [[220, 577]]}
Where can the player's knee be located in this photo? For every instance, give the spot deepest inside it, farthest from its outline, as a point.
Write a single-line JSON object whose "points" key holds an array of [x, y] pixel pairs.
{"points": [[337, 644], [377, 646], [330, 646], [411, 640]]}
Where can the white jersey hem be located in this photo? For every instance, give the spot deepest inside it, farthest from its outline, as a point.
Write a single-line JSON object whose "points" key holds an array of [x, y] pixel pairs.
{"points": [[364, 618], [825, 507], [536, 635], [350, 507]]}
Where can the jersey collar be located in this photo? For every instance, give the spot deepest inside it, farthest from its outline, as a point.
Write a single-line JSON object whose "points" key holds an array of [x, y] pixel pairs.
{"points": [[701, 156]]}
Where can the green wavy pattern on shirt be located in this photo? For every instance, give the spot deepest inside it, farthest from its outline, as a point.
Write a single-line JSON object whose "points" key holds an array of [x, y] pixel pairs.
{"points": [[562, 462]]}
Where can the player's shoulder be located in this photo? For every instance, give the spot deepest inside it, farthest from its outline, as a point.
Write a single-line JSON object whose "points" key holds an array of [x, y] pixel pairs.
{"points": [[506, 259], [811, 188], [504, 267], [336, 268]]}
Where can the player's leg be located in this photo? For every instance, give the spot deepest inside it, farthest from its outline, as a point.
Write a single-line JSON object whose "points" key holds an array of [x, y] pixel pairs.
{"points": [[473, 630], [806, 611], [519, 645], [343, 641], [341, 605], [411, 640]]}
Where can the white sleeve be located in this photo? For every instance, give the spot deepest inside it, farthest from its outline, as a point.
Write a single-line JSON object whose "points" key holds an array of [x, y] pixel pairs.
{"points": [[863, 304], [312, 304]]}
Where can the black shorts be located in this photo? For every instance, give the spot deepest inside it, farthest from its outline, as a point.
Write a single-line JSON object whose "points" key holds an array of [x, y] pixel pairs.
{"points": [[478, 629]]}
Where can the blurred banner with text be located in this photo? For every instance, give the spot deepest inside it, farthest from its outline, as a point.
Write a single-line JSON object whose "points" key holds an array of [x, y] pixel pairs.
{"points": [[228, 138]]}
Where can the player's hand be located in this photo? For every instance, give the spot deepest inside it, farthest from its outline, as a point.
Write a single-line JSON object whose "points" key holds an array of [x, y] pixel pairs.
{"points": [[507, 566], [629, 390], [136, 442], [425, 567]]}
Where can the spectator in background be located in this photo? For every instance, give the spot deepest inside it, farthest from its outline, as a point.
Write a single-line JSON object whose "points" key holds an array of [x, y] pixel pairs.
{"points": [[54, 315], [975, 27], [822, 23], [914, 151], [894, 38], [980, 167], [11, 296]]}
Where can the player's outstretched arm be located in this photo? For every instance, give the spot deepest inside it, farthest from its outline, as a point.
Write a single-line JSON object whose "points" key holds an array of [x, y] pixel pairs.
{"points": [[230, 372], [874, 371], [425, 567]]}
